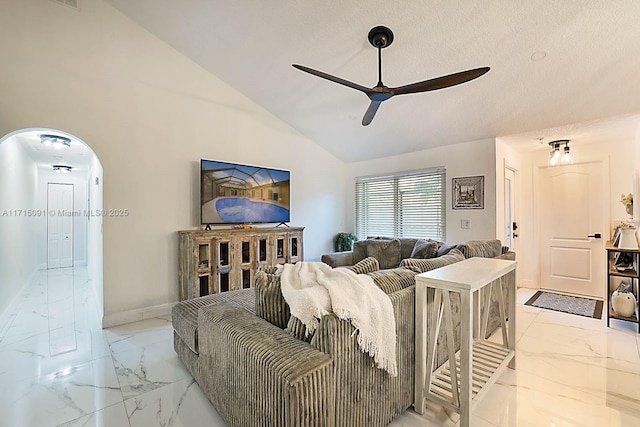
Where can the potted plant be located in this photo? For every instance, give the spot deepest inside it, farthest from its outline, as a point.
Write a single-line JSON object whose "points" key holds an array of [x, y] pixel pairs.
{"points": [[627, 201], [344, 241]]}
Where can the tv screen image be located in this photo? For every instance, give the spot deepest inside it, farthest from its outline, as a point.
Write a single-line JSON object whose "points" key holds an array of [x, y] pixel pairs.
{"points": [[232, 193]]}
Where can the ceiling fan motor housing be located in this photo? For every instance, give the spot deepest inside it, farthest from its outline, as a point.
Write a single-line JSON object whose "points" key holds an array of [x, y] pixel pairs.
{"points": [[380, 37]]}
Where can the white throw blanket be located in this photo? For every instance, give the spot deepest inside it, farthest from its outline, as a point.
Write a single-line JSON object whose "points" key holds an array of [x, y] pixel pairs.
{"points": [[313, 289]]}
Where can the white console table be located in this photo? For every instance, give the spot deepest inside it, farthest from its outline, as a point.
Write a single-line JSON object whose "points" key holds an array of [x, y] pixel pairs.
{"points": [[479, 362]]}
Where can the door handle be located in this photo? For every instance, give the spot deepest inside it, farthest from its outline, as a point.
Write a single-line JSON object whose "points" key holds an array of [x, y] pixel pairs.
{"points": [[596, 235]]}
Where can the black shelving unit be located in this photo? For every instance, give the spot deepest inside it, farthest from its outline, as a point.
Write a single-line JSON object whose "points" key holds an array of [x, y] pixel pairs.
{"points": [[633, 273]]}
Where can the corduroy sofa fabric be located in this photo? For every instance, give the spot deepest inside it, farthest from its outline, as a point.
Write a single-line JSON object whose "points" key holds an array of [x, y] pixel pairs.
{"points": [[270, 304], [184, 316], [393, 279], [422, 265], [367, 265], [480, 248], [256, 374]]}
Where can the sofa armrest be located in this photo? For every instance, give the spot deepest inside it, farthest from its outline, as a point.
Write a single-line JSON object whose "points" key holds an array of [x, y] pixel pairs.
{"points": [[338, 259], [368, 395], [255, 373], [507, 254]]}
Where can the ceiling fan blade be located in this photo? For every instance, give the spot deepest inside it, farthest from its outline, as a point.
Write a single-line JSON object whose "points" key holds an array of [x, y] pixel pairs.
{"points": [[441, 82], [371, 112], [332, 78]]}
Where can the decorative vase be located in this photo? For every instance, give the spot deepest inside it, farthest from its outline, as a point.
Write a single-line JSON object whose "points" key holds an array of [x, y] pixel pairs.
{"points": [[623, 303], [628, 238]]}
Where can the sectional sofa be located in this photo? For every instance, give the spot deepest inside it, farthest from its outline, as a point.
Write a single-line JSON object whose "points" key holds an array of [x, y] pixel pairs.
{"points": [[258, 367]]}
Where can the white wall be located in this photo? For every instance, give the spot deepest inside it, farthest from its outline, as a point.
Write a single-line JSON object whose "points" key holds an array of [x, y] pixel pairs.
{"points": [[94, 232], [150, 114], [18, 247], [78, 179], [464, 159], [618, 157]]}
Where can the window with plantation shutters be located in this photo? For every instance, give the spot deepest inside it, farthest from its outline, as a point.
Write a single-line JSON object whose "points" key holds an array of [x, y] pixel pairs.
{"points": [[402, 205]]}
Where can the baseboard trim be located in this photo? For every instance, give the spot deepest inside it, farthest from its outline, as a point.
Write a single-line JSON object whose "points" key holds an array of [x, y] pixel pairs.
{"points": [[10, 309], [131, 316], [527, 284]]}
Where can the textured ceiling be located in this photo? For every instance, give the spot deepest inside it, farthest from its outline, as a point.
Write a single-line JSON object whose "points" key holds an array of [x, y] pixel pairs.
{"points": [[591, 70]]}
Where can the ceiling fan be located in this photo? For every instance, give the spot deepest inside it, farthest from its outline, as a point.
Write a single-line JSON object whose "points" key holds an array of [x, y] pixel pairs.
{"points": [[381, 37]]}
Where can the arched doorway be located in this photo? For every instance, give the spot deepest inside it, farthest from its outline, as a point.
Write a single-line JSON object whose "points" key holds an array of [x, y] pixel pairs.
{"points": [[50, 210]]}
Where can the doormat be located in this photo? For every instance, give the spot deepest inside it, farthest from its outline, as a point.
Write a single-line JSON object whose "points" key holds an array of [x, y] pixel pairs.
{"points": [[567, 304]]}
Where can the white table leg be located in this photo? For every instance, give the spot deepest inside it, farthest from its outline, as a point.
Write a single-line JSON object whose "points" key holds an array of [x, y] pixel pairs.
{"points": [[421, 348], [512, 320], [466, 356]]}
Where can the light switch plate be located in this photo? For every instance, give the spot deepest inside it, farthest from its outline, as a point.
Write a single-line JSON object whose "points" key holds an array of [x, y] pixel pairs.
{"points": [[465, 223]]}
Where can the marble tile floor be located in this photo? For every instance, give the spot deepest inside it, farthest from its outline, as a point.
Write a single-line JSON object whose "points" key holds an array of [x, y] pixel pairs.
{"points": [[59, 368]]}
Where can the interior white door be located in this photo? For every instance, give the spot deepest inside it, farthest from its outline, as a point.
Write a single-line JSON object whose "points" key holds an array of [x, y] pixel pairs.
{"points": [[572, 200], [60, 225], [509, 208]]}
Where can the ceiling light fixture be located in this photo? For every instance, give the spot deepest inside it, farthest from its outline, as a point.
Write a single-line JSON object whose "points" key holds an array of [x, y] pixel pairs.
{"points": [[55, 141], [62, 168], [560, 158]]}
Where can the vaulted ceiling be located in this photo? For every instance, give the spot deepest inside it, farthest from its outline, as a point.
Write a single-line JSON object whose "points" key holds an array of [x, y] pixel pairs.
{"points": [[552, 64]]}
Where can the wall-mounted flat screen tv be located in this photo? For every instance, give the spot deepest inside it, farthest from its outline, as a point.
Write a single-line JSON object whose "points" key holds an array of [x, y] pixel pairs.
{"points": [[232, 193]]}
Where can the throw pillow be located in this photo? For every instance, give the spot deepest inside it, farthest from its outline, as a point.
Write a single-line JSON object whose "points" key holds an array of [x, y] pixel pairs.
{"points": [[422, 265], [387, 252], [444, 249], [365, 266], [424, 249], [270, 304]]}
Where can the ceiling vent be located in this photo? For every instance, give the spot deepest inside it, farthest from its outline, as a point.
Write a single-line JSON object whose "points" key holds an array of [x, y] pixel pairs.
{"points": [[75, 4]]}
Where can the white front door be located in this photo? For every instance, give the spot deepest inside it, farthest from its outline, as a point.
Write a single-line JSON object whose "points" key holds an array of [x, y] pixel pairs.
{"points": [[572, 201], [60, 225]]}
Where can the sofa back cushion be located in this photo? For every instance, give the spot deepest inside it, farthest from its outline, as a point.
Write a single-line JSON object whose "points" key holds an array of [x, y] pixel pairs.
{"points": [[270, 304], [359, 250], [480, 248], [387, 252], [422, 265], [406, 244]]}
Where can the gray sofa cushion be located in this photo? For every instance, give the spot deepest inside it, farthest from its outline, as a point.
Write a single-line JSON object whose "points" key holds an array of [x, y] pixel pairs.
{"points": [[387, 252], [184, 315], [270, 304], [424, 249], [359, 251], [422, 265], [480, 248]]}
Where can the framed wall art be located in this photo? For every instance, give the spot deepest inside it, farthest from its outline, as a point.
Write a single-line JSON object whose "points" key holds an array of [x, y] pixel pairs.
{"points": [[468, 192]]}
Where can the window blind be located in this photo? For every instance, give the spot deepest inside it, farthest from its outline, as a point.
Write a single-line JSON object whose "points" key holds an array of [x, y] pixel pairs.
{"points": [[402, 205]]}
